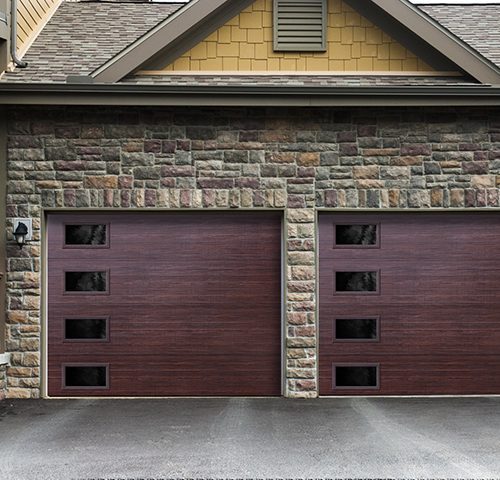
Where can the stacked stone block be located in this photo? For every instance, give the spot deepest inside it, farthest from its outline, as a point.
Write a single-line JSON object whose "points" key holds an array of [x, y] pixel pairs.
{"points": [[296, 160]]}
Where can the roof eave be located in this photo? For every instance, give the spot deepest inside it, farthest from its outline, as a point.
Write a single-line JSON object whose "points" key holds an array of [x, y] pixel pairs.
{"points": [[160, 95]]}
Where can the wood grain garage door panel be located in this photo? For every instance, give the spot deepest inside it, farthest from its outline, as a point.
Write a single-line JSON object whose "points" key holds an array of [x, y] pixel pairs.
{"points": [[437, 302], [193, 303], [418, 375], [154, 375]]}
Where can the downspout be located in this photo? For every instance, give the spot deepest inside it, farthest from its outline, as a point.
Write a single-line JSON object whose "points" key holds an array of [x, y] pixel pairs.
{"points": [[13, 36]]}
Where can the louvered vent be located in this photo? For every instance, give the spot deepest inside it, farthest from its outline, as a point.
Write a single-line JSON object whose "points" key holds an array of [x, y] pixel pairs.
{"points": [[300, 25]]}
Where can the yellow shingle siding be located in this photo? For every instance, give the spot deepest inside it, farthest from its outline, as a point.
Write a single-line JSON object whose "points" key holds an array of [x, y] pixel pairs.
{"points": [[246, 44], [32, 15]]}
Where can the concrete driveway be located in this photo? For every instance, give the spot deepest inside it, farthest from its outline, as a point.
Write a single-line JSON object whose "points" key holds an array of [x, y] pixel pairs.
{"points": [[248, 438]]}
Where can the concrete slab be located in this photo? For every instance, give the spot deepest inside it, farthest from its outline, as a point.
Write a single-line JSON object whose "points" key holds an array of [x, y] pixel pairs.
{"points": [[248, 438]]}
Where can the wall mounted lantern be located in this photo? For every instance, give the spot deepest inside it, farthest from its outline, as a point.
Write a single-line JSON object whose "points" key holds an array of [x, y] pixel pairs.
{"points": [[22, 231]]}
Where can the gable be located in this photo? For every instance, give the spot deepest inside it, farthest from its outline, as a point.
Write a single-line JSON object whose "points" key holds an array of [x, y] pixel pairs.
{"points": [[245, 43]]}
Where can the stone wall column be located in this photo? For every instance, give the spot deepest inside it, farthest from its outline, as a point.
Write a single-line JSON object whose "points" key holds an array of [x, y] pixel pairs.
{"points": [[300, 295]]}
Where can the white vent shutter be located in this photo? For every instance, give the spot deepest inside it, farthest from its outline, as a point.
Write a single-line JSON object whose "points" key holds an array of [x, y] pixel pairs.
{"points": [[300, 25]]}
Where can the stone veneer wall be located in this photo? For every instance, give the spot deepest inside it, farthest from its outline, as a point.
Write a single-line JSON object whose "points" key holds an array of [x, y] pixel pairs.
{"points": [[3, 381], [292, 159]]}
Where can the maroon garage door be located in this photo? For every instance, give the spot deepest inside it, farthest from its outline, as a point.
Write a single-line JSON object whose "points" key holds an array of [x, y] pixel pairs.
{"points": [[164, 304], [409, 304]]}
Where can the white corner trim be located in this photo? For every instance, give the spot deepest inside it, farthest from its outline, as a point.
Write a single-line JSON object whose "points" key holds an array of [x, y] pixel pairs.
{"points": [[4, 358]]}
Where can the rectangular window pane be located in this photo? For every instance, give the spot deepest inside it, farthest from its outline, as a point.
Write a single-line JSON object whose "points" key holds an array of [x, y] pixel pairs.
{"points": [[85, 281], [83, 376], [356, 281], [356, 328], [355, 234], [356, 376], [85, 235], [85, 329]]}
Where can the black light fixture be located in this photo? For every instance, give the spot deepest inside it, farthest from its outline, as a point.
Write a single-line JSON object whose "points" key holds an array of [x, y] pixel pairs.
{"points": [[20, 234]]}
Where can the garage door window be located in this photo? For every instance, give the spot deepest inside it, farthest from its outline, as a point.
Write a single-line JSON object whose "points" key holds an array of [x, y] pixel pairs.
{"points": [[85, 376], [88, 282], [356, 376], [91, 235], [352, 235], [357, 329], [356, 282], [86, 329]]}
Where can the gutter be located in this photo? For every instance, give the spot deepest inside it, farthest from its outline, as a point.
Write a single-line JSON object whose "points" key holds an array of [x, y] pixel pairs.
{"points": [[234, 95], [13, 37]]}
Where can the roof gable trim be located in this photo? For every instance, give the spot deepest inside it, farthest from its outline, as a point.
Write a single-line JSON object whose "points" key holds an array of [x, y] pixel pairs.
{"points": [[442, 39], [185, 22], [174, 34]]}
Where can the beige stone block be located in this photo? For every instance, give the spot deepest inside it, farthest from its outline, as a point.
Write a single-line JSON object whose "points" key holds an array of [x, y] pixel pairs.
{"points": [[224, 34], [482, 181], [238, 34], [300, 215], [18, 393]]}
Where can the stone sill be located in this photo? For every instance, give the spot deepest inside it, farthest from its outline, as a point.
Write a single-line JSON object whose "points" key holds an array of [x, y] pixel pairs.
{"points": [[4, 358]]}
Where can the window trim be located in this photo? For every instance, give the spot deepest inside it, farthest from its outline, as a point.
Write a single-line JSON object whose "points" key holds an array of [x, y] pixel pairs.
{"points": [[356, 317], [106, 339], [355, 364]]}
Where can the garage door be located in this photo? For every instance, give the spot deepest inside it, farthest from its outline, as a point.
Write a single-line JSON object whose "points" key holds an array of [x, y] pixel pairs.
{"points": [[164, 304], [409, 304]]}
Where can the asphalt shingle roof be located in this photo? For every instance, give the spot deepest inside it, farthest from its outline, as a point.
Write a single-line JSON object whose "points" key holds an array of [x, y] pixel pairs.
{"points": [[295, 80], [477, 25], [81, 36]]}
